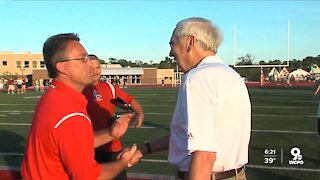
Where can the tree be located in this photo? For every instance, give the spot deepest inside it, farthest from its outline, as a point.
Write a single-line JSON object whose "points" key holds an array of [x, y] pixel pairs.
{"points": [[167, 63], [309, 61], [277, 62], [124, 63], [102, 61], [251, 74], [138, 63], [8, 75], [245, 60], [262, 62], [113, 60], [294, 64]]}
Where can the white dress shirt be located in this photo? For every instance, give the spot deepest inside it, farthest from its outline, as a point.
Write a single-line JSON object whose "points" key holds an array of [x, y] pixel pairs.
{"points": [[213, 113]]}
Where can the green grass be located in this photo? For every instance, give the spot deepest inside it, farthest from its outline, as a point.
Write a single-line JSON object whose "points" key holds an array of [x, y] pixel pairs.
{"points": [[282, 118]]}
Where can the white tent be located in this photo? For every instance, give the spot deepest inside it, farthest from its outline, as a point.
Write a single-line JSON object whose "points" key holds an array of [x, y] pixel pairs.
{"points": [[315, 72], [315, 69], [299, 74], [274, 74], [284, 73]]}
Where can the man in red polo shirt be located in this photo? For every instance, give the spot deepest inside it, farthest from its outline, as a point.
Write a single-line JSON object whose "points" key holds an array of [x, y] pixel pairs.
{"points": [[61, 140], [101, 111]]}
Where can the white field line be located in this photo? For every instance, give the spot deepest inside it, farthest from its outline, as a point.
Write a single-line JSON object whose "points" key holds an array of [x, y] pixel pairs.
{"points": [[154, 127], [254, 115], [163, 105], [12, 168], [250, 166], [32, 97], [283, 115], [15, 124], [266, 107], [6, 111], [10, 154], [17, 104], [165, 161], [285, 100], [286, 107], [283, 168], [280, 131], [254, 130]]}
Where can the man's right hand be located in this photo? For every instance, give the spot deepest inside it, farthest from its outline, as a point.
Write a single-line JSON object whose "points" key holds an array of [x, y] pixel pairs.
{"points": [[131, 156]]}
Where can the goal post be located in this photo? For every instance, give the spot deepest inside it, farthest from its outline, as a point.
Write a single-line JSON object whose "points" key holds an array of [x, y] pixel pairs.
{"points": [[261, 66]]}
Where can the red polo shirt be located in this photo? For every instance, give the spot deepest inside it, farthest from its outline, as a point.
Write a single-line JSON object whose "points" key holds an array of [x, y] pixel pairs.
{"points": [[100, 109], [60, 143]]}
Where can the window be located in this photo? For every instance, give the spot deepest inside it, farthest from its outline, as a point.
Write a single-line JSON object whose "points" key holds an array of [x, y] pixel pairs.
{"points": [[4, 63], [34, 64], [42, 65], [18, 64], [26, 64]]}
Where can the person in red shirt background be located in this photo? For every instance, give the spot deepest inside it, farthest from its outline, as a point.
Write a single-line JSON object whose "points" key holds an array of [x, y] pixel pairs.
{"points": [[101, 112], [11, 86], [61, 141]]}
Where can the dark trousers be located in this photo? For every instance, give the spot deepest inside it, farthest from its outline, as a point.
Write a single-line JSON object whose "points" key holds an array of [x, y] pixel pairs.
{"points": [[104, 157]]}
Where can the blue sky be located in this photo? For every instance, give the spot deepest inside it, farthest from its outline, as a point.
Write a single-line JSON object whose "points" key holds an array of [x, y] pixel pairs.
{"points": [[140, 30]]}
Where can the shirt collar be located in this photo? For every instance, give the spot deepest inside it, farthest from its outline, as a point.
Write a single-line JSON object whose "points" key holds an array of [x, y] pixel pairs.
{"points": [[210, 59], [78, 96]]}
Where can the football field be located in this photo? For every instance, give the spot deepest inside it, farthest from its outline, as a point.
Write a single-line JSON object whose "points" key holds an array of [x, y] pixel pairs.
{"points": [[284, 143]]}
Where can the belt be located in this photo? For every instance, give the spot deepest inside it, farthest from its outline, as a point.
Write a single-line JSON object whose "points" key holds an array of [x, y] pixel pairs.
{"points": [[217, 175]]}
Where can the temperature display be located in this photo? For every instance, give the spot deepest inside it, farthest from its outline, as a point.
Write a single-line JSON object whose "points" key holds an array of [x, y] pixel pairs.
{"points": [[269, 156]]}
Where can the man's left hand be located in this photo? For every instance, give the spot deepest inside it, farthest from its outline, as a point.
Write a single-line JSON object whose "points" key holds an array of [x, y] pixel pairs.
{"points": [[120, 126]]}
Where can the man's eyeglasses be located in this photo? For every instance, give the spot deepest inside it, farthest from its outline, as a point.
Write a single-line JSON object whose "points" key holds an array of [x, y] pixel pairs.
{"points": [[173, 41], [84, 59]]}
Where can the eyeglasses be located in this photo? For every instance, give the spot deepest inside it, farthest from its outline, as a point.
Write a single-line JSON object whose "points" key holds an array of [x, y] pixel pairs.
{"points": [[172, 42], [84, 59]]}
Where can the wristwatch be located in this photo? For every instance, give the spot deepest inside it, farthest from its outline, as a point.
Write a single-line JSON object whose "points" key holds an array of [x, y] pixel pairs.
{"points": [[148, 146]]}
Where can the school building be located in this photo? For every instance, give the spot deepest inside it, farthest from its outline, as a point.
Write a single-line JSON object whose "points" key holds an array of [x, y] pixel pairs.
{"points": [[31, 65]]}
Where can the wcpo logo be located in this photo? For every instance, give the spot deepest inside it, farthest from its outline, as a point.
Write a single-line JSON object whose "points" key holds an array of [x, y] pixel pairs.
{"points": [[297, 157]]}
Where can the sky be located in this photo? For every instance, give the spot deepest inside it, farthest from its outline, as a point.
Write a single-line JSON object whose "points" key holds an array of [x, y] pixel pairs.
{"points": [[141, 30]]}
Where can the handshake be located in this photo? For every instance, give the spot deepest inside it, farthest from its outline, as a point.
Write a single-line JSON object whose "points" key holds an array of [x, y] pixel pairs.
{"points": [[130, 156]]}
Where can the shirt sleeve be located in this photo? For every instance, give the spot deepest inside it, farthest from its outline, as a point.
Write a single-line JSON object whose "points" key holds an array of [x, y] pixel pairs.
{"points": [[123, 95], [201, 112], [76, 147]]}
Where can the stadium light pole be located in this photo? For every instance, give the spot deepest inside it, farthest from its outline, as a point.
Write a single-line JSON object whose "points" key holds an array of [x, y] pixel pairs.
{"points": [[234, 44], [178, 71], [288, 43], [174, 83], [22, 69]]}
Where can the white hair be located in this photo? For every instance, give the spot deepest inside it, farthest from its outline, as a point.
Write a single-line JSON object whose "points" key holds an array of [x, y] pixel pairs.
{"points": [[207, 34]]}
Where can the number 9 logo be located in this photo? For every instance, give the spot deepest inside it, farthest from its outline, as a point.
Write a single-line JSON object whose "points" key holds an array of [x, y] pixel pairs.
{"points": [[295, 152]]}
